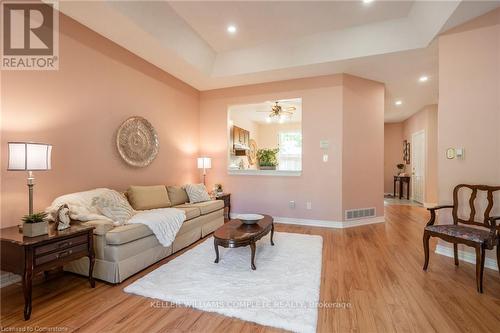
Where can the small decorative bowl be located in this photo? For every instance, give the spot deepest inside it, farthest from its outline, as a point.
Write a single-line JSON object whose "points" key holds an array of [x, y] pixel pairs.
{"points": [[250, 218]]}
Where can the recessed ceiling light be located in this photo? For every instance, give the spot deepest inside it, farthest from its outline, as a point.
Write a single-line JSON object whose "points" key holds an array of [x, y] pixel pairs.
{"points": [[398, 102], [423, 78], [231, 29], [367, 1]]}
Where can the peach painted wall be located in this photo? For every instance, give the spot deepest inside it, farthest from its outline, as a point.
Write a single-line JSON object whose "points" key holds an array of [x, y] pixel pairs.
{"points": [[322, 119], [393, 153], [79, 108], [426, 120], [320, 183], [363, 144], [469, 105]]}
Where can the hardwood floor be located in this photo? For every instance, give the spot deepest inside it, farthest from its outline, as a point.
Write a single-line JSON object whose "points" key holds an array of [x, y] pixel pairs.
{"points": [[377, 269]]}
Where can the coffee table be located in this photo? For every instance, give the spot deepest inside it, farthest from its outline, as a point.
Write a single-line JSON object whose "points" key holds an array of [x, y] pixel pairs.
{"points": [[237, 234]]}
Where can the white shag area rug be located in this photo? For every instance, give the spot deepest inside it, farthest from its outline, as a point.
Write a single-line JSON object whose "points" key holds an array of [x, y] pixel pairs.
{"points": [[283, 292]]}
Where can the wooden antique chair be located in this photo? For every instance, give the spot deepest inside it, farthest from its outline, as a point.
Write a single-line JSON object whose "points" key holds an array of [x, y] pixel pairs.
{"points": [[466, 231]]}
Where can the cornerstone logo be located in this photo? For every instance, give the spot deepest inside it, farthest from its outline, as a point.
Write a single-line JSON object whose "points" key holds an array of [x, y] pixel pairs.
{"points": [[30, 35]]}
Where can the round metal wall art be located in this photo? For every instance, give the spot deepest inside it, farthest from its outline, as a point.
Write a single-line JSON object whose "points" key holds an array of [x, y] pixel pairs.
{"points": [[137, 142]]}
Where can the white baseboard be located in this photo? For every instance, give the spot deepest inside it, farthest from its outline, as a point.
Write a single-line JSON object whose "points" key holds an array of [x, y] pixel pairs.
{"points": [[429, 204], [325, 223], [7, 278], [465, 256]]}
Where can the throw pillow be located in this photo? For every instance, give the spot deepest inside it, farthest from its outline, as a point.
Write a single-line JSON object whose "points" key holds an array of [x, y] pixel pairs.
{"points": [[197, 193], [114, 206]]}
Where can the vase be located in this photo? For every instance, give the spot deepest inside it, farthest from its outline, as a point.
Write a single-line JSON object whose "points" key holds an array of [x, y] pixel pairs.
{"points": [[35, 229]]}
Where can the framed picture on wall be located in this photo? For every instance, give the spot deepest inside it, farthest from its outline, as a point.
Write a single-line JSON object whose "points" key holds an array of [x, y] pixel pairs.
{"points": [[406, 152]]}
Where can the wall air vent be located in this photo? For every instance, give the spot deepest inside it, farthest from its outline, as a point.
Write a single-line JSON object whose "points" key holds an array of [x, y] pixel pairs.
{"points": [[362, 213]]}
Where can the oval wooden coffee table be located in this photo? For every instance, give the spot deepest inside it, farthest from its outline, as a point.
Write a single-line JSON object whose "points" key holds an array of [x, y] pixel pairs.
{"points": [[237, 234]]}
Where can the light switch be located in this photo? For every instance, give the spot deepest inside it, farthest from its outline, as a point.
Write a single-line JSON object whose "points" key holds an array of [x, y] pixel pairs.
{"points": [[460, 153], [324, 144], [325, 157]]}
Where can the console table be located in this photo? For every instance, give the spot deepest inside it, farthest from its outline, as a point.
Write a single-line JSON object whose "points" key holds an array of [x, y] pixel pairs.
{"points": [[27, 256], [401, 180]]}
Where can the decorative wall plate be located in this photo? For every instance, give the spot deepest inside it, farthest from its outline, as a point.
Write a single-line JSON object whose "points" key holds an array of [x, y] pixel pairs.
{"points": [[137, 142]]}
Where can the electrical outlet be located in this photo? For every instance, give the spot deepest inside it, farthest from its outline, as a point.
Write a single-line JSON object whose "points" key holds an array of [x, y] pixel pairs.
{"points": [[291, 204], [325, 157], [309, 205]]}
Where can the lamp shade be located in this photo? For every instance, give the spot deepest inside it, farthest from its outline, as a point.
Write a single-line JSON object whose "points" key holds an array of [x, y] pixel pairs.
{"points": [[28, 156], [204, 162]]}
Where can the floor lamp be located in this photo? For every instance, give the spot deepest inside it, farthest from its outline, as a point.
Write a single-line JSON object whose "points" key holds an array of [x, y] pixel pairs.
{"points": [[29, 156], [204, 163]]}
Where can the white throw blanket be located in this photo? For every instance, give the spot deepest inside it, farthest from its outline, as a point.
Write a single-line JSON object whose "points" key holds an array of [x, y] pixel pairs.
{"points": [[163, 222], [80, 205]]}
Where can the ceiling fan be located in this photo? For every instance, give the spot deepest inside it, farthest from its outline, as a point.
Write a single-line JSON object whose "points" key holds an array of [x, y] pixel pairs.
{"points": [[278, 111]]}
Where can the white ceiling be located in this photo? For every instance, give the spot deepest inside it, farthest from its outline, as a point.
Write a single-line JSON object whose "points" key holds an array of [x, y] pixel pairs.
{"points": [[261, 22], [387, 41]]}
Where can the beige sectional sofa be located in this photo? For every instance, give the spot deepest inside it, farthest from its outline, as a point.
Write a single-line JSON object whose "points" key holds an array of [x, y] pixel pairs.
{"points": [[127, 249]]}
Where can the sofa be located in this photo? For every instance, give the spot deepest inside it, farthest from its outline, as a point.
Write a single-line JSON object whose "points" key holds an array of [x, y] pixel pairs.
{"points": [[121, 251]]}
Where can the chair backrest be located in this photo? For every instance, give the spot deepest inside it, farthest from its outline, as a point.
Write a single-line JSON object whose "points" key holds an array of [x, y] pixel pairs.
{"points": [[472, 199]]}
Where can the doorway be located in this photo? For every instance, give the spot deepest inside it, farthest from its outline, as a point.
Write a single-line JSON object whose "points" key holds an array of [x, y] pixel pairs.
{"points": [[418, 166]]}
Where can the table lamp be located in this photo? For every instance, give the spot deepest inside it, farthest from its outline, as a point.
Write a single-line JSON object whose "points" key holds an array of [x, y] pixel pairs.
{"points": [[204, 163], [29, 156]]}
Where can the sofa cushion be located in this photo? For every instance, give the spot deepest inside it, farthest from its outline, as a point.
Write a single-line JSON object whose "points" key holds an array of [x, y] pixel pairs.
{"points": [[148, 197], [130, 250], [177, 195], [191, 213], [204, 207], [127, 233]]}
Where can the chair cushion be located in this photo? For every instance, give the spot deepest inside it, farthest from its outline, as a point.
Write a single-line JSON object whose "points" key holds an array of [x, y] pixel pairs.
{"points": [[204, 207], [148, 197], [177, 195], [462, 232]]}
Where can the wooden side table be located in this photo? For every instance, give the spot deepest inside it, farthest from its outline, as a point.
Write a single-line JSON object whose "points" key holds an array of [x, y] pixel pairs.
{"points": [[226, 197], [401, 180], [27, 256]]}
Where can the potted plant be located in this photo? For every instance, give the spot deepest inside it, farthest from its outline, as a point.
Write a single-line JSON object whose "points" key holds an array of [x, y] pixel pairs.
{"points": [[268, 159], [35, 224]]}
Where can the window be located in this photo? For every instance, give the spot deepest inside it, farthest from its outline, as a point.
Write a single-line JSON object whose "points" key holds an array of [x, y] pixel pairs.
{"points": [[290, 153]]}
